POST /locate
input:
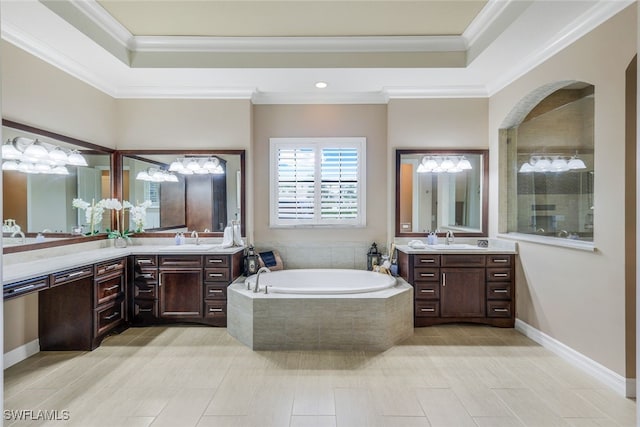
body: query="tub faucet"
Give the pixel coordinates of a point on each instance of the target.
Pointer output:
(21, 234)
(256, 289)
(194, 233)
(449, 238)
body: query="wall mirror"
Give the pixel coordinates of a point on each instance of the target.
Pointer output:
(38, 188)
(201, 190)
(441, 191)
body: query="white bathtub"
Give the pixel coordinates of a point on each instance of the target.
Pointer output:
(323, 281)
(321, 309)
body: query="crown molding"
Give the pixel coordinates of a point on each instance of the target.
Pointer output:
(484, 20)
(177, 92)
(45, 52)
(315, 98)
(102, 18)
(578, 28)
(299, 44)
(476, 91)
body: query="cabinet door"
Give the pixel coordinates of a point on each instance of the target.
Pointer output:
(180, 293)
(462, 293)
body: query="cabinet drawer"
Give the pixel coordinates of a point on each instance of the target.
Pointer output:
(426, 260)
(498, 260)
(214, 309)
(146, 260)
(462, 260)
(427, 290)
(499, 308)
(108, 289)
(216, 275)
(24, 287)
(216, 261)
(145, 290)
(499, 291)
(498, 274)
(144, 310)
(110, 267)
(215, 292)
(179, 261)
(71, 275)
(425, 273)
(427, 309)
(107, 318)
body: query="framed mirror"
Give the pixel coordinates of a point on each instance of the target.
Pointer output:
(39, 189)
(441, 190)
(201, 190)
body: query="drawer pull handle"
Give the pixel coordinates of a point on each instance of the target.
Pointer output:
(213, 310)
(145, 261)
(112, 266)
(145, 291)
(113, 316)
(215, 274)
(215, 291)
(215, 260)
(427, 291)
(500, 310)
(428, 309)
(444, 280)
(147, 276)
(22, 288)
(145, 310)
(500, 291)
(428, 261)
(427, 274)
(500, 275)
(500, 260)
(112, 287)
(77, 273)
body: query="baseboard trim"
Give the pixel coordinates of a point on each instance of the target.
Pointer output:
(21, 353)
(621, 385)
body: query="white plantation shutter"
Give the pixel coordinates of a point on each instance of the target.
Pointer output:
(317, 181)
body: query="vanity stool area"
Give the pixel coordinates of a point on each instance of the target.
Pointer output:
(474, 285)
(81, 302)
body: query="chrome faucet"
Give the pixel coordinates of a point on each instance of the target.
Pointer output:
(449, 238)
(256, 289)
(194, 233)
(21, 234)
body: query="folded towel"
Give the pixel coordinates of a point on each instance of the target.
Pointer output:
(227, 237)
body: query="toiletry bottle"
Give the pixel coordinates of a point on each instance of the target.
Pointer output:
(183, 239)
(177, 238)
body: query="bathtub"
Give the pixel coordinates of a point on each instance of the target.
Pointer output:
(322, 281)
(321, 309)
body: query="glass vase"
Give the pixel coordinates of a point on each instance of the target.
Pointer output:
(120, 242)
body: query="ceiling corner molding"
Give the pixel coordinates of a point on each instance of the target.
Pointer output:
(44, 52)
(298, 44)
(582, 25)
(102, 18)
(262, 98)
(477, 91)
(164, 92)
(484, 20)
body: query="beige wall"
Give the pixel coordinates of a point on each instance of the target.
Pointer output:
(433, 124)
(322, 247)
(578, 297)
(38, 94)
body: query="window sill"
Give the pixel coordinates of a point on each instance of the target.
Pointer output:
(321, 226)
(550, 241)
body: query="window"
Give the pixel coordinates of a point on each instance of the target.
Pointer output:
(152, 192)
(317, 181)
(551, 167)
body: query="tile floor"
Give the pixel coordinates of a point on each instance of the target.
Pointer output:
(181, 376)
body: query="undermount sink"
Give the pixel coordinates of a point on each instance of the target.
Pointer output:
(188, 247)
(453, 247)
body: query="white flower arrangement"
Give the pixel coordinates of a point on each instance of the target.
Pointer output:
(94, 213)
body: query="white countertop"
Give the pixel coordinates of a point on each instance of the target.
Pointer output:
(496, 246)
(41, 266)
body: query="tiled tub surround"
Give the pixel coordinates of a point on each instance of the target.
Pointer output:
(373, 321)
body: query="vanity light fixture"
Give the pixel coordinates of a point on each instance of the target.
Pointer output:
(33, 156)
(450, 164)
(197, 165)
(156, 175)
(552, 163)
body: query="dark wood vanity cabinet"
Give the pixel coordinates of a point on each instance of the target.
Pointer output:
(82, 306)
(183, 288)
(475, 288)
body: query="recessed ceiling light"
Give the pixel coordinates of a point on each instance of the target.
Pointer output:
(321, 85)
